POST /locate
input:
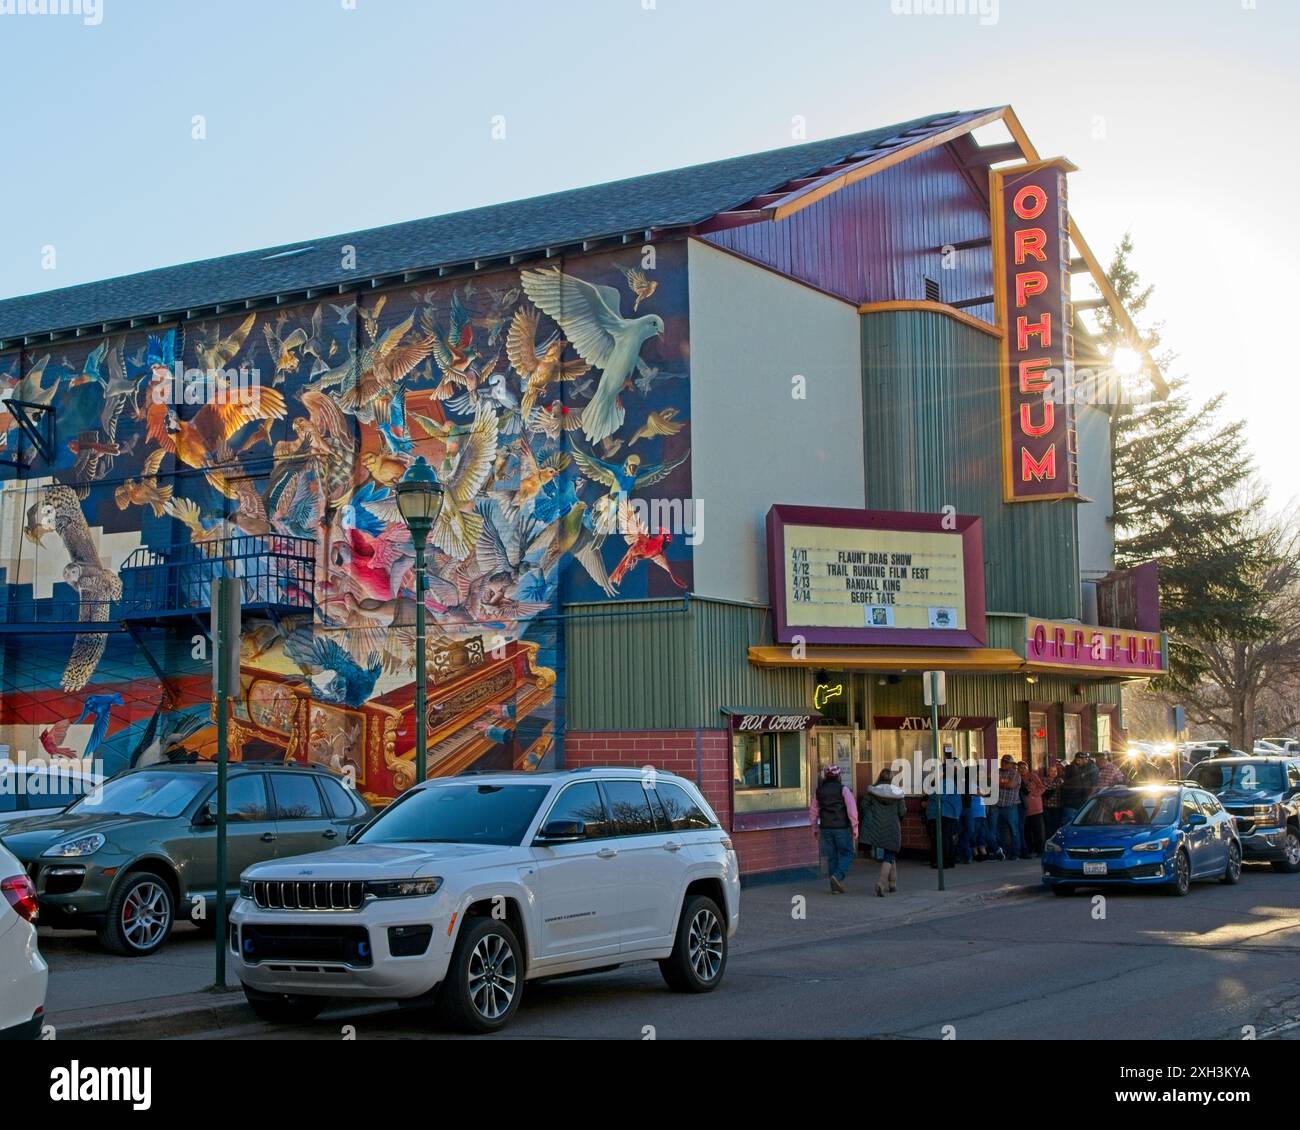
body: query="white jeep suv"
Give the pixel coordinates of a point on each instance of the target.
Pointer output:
(466, 887)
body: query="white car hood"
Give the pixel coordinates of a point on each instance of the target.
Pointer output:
(386, 861)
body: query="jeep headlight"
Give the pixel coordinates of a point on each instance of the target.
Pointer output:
(404, 888)
(82, 845)
(1152, 845)
(245, 888)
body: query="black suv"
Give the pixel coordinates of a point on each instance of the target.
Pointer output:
(1263, 793)
(140, 851)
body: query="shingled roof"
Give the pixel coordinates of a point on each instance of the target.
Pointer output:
(677, 199)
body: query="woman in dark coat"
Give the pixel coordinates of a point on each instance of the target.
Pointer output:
(880, 827)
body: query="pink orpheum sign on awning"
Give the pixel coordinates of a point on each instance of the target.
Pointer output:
(1086, 647)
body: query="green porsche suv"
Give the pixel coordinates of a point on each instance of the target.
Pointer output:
(140, 851)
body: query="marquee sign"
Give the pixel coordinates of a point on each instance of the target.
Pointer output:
(1086, 647)
(841, 576)
(1031, 282)
(1130, 598)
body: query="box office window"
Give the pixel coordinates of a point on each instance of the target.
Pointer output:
(768, 771)
(769, 761)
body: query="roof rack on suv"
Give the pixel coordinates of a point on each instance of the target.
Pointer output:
(626, 768)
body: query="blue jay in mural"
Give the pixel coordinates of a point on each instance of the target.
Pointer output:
(556, 499)
(358, 513)
(395, 433)
(335, 675)
(98, 707)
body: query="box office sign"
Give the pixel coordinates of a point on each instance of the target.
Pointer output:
(1031, 278)
(843, 576)
(755, 722)
(1090, 648)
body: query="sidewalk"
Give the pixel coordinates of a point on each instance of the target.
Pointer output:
(770, 918)
(93, 995)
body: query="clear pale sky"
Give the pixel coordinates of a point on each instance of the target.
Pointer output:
(326, 116)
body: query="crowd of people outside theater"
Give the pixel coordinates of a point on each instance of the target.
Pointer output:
(975, 823)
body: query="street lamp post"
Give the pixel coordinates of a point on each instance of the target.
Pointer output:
(419, 498)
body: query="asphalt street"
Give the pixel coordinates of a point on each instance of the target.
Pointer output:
(1219, 964)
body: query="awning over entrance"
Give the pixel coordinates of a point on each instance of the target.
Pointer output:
(986, 659)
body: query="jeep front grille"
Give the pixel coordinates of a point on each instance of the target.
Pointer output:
(317, 894)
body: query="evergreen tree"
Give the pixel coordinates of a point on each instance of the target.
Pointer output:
(1179, 478)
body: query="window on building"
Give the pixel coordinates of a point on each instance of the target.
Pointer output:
(768, 771)
(1073, 735)
(1103, 731)
(1038, 743)
(769, 761)
(932, 293)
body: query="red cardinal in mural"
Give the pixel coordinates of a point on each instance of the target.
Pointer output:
(53, 738)
(642, 545)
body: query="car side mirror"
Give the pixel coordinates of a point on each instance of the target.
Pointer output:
(562, 832)
(207, 815)
(1195, 820)
(356, 830)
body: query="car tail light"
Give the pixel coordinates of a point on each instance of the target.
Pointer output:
(21, 895)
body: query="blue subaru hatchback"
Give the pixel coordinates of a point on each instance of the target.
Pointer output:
(1144, 835)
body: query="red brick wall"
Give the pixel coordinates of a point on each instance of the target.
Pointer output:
(774, 849)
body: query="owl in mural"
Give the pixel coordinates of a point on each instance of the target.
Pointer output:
(58, 511)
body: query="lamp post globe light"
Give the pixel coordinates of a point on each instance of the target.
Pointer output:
(419, 498)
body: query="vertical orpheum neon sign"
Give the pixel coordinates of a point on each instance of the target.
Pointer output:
(1031, 277)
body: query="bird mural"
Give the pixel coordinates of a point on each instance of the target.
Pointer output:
(626, 477)
(203, 442)
(526, 391)
(590, 315)
(58, 511)
(335, 676)
(458, 524)
(537, 366)
(98, 708)
(642, 545)
(662, 423)
(639, 284)
(381, 368)
(146, 490)
(53, 737)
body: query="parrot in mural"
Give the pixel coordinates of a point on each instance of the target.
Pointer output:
(627, 477)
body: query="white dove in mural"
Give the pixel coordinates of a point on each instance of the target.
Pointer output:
(589, 315)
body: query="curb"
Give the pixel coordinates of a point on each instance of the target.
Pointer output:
(190, 1012)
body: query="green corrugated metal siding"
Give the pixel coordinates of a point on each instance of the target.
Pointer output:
(661, 668)
(988, 696)
(933, 439)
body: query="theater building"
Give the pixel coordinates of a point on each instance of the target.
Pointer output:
(731, 455)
